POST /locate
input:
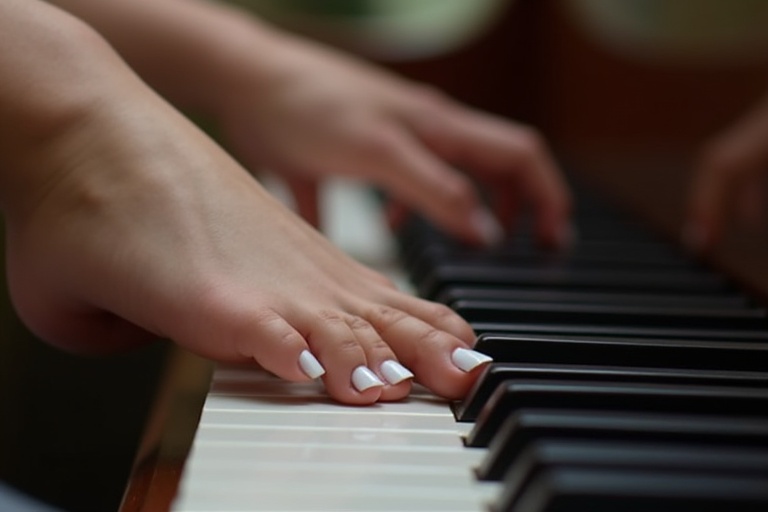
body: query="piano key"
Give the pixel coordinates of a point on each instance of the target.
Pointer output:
(529, 258)
(579, 489)
(242, 457)
(636, 352)
(290, 496)
(620, 331)
(549, 295)
(497, 276)
(426, 248)
(497, 373)
(611, 314)
(314, 420)
(254, 442)
(550, 454)
(370, 487)
(527, 427)
(418, 262)
(286, 435)
(619, 239)
(601, 396)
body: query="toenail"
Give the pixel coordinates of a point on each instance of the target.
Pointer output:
(363, 378)
(310, 365)
(467, 360)
(394, 372)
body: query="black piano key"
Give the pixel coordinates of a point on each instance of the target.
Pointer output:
(617, 240)
(638, 352)
(608, 396)
(604, 252)
(432, 283)
(526, 427)
(635, 248)
(594, 226)
(550, 454)
(721, 301)
(611, 314)
(621, 331)
(595, 229)
(498, 373)
(528, 258)
(572, 489)
(420, 260)
(621, 310)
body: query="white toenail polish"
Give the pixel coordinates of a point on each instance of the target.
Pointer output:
(363, 378)
(467, 360)
(310, 365)
(394, 372)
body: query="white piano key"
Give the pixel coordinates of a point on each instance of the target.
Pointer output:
(249, 382)
(251, 449)
(347, 437)
(322, 415)
(245, 455)
(252, 378)
(327, 486)
(366, 498)
(297, 487)
(273, 426)
(242, 472)
(258, 449)
(295, 500)
(263, 401)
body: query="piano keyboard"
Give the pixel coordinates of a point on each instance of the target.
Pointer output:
(626, 377)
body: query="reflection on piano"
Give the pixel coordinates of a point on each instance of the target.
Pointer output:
(627, 377)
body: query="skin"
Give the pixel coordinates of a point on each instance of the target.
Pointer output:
(126, 223)
(730, 179)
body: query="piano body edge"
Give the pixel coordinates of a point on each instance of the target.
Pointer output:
(169, 433)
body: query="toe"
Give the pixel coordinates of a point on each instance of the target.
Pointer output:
(426, 350)
(382, 360)
(349, 378)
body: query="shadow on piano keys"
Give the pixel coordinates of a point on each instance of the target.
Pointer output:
(627, 377)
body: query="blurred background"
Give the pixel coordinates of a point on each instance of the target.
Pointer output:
(625, 91)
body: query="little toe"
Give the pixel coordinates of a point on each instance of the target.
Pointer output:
(227, 333)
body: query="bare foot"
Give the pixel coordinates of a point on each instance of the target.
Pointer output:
(146, 228)
(126, 223)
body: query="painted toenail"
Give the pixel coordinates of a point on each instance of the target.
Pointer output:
(363, 378)
(467, 360)
(310, 365)
(394, 372)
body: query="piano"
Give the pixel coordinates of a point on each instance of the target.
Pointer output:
(627, 376)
